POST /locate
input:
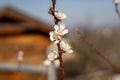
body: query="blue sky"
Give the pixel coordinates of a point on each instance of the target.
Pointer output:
(94, 12)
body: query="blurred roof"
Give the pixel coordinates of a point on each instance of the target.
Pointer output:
(13, 20)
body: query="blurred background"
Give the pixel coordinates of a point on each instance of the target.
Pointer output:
(25, 25)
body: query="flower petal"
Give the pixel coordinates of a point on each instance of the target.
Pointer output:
(65, 31)
(70, 51)
(52, 36)
(66, 47)
(52, 55)
(62, 44)
(56, 27)
(60, 15)
(56, 41)
(62, 26)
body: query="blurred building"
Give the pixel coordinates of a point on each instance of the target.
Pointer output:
(18, 31)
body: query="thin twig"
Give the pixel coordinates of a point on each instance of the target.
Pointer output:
(58, 45)
(61, 62)
(53, 3)
(94, 49)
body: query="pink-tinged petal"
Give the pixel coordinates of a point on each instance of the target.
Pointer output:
(66, 47)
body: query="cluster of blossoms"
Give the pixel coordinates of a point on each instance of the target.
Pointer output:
(56, 36)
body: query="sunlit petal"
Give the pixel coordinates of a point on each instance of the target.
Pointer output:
(62, 44)
(61, 29)
(60, 15)
(57, 41)
(62, 26)
(56, 27)
(65, 31)
(66, 47)
(52, 36)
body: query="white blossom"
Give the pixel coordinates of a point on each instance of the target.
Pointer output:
(46, 63)
(66, 47)
(52, 55)
(60, 15)
(61, 29)
(54, 37)
(20, 56)
(116, 1)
